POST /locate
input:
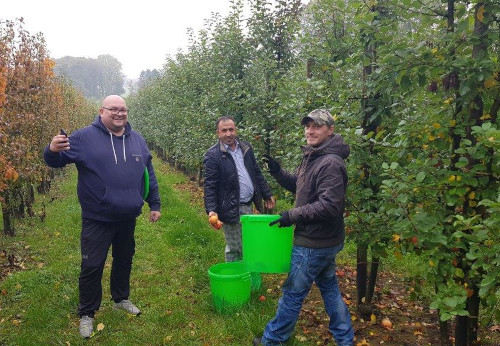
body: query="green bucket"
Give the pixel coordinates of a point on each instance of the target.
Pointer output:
(230, 283)
(266, 249)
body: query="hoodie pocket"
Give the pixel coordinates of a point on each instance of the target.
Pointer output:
(125, 201)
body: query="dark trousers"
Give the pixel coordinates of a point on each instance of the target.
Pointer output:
(96, 238)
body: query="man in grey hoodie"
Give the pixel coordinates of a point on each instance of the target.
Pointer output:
(112, 161)
(319, 187)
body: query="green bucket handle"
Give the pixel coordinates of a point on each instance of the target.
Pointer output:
(146, 183)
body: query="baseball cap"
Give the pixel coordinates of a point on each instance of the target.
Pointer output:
(319, 116)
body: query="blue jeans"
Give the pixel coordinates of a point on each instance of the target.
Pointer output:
(308, 266)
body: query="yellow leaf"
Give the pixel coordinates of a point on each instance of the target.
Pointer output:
(452, 178)
(480, 13)
(436, 125)
(434, 50)
(490, 83)
(472, 195)
(453, 123)
(395, 237)
(448, 101)
(100, 327)
(459, 178)
(373, 319)
(431, 263)
(485, 117)
(300, 338)
(40, 265)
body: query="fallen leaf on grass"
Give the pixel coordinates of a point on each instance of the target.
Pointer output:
(100, 327)
(300, 338)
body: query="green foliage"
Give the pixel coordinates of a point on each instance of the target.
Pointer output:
(415, 95)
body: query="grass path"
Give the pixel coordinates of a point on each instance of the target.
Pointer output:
(169, 280)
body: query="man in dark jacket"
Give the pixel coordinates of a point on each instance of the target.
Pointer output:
(233, 181)
(319, 186)
(111, 160)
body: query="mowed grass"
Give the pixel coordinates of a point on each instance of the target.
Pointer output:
(169, 282)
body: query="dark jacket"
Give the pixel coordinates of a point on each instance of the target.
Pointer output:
(319, 186)
(221, 185)
(110, 172)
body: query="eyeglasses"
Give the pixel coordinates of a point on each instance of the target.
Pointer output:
(115, 111)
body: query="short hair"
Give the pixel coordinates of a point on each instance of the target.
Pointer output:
(223, 118)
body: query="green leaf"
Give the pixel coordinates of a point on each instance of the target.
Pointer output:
(452, 302)
(420, 177)
(459, 273)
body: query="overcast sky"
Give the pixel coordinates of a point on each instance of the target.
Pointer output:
(140, 34)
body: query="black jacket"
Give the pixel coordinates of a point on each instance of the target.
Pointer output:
(319, 185)
(221, 184)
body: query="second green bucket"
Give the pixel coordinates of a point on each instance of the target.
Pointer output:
(266, 249)
(230, 283)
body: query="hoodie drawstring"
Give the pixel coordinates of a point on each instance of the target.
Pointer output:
(124, 157)
(113, 146)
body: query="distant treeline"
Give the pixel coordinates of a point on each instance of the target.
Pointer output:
(96, 78)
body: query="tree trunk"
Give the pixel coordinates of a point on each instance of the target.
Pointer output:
(473, 318)
(444, 333)
(361, 272)
(373, 279)
(8, 227)
(461, 330)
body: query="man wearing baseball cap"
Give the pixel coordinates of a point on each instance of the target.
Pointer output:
(319, 186)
